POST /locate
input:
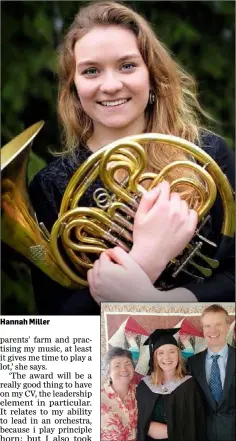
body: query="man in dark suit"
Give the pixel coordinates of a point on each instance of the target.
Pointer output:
(214, 371)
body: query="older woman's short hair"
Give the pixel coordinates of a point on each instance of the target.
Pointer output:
(112, 353)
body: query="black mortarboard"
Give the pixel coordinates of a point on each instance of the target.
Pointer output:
(158, 338)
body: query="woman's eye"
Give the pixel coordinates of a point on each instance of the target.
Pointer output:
(91, 71)
(128, 66)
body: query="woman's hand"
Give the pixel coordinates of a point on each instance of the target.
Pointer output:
(157, 430)
(121, 281)
(163, 226)
(116, 277)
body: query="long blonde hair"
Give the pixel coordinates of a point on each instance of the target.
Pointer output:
(157, 374)
(176, 108)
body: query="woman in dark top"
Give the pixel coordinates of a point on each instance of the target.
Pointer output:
(128, 84)
(169, 401)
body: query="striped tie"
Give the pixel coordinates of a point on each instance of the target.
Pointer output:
(215, 381)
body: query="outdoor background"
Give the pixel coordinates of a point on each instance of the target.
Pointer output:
(200, 34)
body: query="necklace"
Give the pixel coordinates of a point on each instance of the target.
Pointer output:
(164, 389)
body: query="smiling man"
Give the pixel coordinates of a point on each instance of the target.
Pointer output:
(214, 370)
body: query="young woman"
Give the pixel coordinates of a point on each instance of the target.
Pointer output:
(118, 401)
(117, 79)
(169, 402)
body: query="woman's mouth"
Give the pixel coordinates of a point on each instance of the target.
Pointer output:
(114, 103)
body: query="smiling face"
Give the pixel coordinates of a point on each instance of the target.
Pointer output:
(215, 330)
(121, 370)
(167, 358)
(111, 79)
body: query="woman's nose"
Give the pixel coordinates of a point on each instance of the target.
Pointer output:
(123, 370)
(111, 84)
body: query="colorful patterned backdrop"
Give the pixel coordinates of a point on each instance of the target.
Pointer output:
(128, 325)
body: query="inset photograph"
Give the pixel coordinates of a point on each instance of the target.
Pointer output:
(167, 371)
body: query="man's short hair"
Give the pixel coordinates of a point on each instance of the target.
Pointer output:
(216, 308)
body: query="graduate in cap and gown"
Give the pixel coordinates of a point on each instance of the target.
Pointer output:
(169, 401)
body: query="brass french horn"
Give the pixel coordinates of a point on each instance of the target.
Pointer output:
(19, 225)
(80, 234)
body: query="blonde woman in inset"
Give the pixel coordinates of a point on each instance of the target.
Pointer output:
(169, 401)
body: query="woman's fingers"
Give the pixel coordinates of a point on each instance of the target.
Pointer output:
(104, 261)
(193, 220)
(175, 197)
(90, 277)
(184, 208)
(175, 205)
(105, 257)
(91, 282)
(161, 203)
(148, 200)
(96, 269)
(120, 256)
(164, 191)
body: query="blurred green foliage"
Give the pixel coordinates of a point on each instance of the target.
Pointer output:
(200, 34)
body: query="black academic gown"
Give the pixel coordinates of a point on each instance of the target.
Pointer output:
(183, 408)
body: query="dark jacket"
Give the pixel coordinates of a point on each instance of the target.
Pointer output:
(220, 419)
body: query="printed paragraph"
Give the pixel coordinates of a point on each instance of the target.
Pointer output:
(50, 387)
